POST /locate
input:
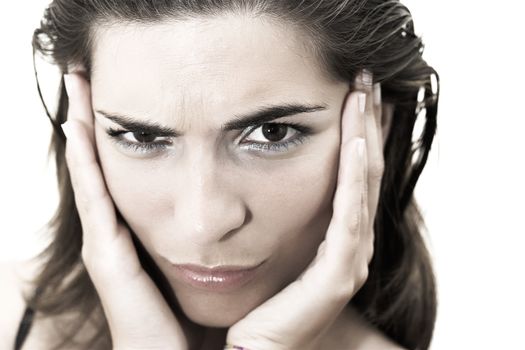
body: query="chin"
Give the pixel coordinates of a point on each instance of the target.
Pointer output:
(214, 316)
(215, 321)
(219, 310)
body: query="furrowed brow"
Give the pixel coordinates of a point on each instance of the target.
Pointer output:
(134, 125)
(268, 113)
(262, 115)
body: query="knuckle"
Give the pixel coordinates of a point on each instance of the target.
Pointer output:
(85, 254)
(87, 205)
(369, 256)
(369, 246)
(353, 222)
(346, 291)
(362, 275)
(95, 266)
(358, 279)
(364, 218)
(90, 203)
(355, 279)
(68, 156)
(84, 205)
(74, 183)
(377, 170)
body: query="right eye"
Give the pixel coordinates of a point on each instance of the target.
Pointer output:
(293, 134)
(139, 141)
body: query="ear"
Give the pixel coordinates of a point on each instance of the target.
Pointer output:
(387, 115)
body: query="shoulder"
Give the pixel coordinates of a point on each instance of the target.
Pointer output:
(351, 331)
(14, 278)
(45, 332)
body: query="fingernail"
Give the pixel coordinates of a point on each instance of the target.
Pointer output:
(367, 78)
(66, 128)
(359, 79)
(377, 94)
(361, 99)
(67, 83)
(433, 83)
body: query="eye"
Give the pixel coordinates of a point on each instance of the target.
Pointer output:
(269, 136)
(140, 137)
(139, 141)
(273, 132)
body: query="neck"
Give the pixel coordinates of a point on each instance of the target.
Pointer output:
(349, 329)
(214, 339)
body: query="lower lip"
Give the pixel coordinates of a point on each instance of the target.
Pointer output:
(216, 281)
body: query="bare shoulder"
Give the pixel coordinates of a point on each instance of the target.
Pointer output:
(14, 278)
(45, 332)
(351, 331)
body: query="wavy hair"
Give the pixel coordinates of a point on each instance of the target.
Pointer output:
(399, 296)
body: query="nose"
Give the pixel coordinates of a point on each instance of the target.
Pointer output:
(208, 208)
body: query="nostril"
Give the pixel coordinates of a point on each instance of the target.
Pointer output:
(212, 218)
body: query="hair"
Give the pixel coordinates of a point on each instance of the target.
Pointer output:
(399, 296)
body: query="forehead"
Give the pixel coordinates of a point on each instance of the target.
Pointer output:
(201, 66)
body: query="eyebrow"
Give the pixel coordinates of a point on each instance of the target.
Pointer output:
(239, 122)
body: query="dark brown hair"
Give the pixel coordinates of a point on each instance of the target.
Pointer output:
(399, 297)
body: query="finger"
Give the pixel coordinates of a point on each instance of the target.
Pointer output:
(387, 112)
(346, 200)
(328, 283)
(375, 152)
(364, 83)
(348, 218)
(93, 203)
(101, 234)
(330, 280)
(79, 97)
(127, 293)
(373, 115)
(378, 112)
(355, 104)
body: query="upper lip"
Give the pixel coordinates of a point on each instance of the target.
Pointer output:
(217, 269)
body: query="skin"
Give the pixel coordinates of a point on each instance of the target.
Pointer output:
(205, 199)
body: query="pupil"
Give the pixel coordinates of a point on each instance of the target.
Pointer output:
(144, 137)
(274, 132)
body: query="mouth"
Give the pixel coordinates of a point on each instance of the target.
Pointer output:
(223, 278)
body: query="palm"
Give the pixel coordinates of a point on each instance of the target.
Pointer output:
(279, 316)
(299, 315)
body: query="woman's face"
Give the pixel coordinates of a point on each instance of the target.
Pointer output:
(213, 195)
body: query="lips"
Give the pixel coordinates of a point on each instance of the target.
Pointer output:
(224, 278)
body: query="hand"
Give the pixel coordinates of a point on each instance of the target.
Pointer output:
(138, 316)
(298, 316)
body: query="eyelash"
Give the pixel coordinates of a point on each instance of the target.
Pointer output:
(145, 148)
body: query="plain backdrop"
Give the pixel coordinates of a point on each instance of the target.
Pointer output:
(471, 191)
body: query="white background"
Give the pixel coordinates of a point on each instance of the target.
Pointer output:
(471, 192)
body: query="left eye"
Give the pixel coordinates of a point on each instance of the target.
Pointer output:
(139, 141)
(273, 132)
(293, 134)
(141, 137)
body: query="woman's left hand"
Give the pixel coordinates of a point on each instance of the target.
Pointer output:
(298, 316)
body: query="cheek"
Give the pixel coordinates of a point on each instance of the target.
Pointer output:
(294, 210)
(132, 186)
(289, 198)
(297, 199)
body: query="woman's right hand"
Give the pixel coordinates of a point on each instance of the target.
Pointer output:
(137, 313)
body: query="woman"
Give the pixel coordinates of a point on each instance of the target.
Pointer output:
(237, 174)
